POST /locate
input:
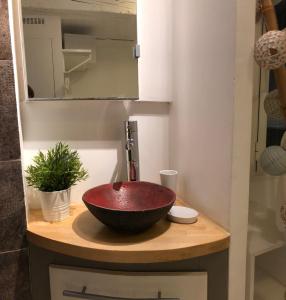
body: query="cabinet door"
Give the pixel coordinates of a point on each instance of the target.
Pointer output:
(154, 19)
(68, 283)
(40, 66)
(44, 59)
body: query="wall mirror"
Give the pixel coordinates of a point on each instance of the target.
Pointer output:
(80, 49)
(268, 118)
(276, 125)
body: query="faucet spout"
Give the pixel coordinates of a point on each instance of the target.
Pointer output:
(131, 147)
(132, 171)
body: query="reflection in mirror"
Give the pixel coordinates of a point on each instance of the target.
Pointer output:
(81, 49)
(276, 124)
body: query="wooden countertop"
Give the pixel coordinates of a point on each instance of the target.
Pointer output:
(83, 236)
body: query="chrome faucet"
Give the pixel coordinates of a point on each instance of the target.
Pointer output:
(131, 147)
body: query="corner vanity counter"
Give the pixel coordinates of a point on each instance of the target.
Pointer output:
(83, 236)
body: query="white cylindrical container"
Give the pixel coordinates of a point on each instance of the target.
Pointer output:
(33, 199)
(169, 179)
(55, 205)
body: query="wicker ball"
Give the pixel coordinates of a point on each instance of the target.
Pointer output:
(273, 161)
(283, 213)
(273, 108)
(270, 50)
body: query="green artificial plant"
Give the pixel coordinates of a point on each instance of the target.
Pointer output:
(57, 170)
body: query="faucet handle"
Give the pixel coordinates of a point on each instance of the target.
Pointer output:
(129, 143)
(130, 128)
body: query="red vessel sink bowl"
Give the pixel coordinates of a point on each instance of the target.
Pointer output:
(129, 206)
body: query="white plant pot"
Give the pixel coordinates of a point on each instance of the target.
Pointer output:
(55, 205)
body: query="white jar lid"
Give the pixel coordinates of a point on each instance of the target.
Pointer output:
(182, 214)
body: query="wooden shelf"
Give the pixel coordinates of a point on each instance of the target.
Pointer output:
(83, 236)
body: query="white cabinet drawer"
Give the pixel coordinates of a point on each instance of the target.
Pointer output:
(68, 283)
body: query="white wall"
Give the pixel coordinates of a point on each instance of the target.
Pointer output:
(155, 31)
(121, 6)
(202, 111)
(241, 153)
(211, 117)
(96, 130)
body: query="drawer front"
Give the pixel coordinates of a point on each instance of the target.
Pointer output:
(69, 283)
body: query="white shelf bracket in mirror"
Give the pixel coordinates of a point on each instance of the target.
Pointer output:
(75, 60)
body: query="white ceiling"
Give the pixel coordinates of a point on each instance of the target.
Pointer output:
(101, 23)
(112, 6)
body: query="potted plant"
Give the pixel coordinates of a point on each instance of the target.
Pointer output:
(52, 175)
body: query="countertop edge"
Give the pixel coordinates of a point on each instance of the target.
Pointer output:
(128, 257)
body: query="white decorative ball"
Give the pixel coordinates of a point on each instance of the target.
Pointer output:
(270, 50)
(283, 141)
(273, 108)
(273, 160)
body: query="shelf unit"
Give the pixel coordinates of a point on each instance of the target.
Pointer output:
(259, 244)
(267, 287)
(263, 237)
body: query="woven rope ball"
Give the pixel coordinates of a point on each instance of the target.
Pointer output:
(273, 161)
(283, 213)
(270, 50)
(273, 108)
